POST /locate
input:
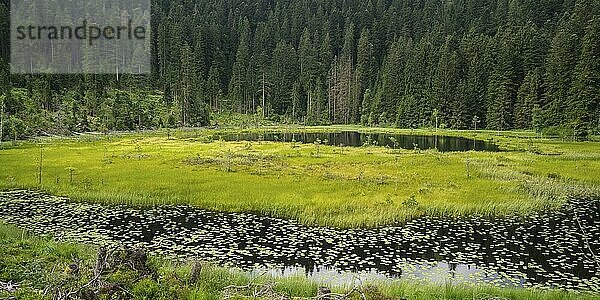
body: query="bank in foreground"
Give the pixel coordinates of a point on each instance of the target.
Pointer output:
(33, 267)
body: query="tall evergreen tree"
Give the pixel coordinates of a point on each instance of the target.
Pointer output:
(239, 86)
(584, 100)
(508, 63)
(528, 97)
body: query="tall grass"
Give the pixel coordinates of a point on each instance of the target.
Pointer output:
(350, 187)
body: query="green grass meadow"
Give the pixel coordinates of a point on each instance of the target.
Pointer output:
(315, 184)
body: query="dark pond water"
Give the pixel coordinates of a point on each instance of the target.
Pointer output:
(357, 139)
(543, 250)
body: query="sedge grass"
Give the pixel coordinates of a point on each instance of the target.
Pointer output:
(316, 185)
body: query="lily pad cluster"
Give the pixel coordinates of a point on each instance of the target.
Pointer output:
(544, 250)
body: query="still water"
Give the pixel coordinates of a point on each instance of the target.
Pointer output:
(542, 250)
(358, 139)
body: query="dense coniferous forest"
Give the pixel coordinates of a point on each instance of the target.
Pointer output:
(461, 64)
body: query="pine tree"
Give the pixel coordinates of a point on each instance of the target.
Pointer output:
(283, 74)
(214, 90)
(585, 92)
(309, 74)
(498, 114)
(528, 97)
(364, 64)
(188, 84)
(445, 81)
(297, 109)
(502, 87)
(239, 93)
(4, 33)
(510, 63)
(561, 63)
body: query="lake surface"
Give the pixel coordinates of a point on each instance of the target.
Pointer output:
(543, 250)
(358, 139)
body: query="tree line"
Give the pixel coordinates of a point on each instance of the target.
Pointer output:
(461, 64)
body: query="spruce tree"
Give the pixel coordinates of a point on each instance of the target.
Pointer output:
(584, 95)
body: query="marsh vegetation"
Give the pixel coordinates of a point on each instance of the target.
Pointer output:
(34, 267)
(519, 207)
(522, 215)
(544, 250)
(313, 183)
